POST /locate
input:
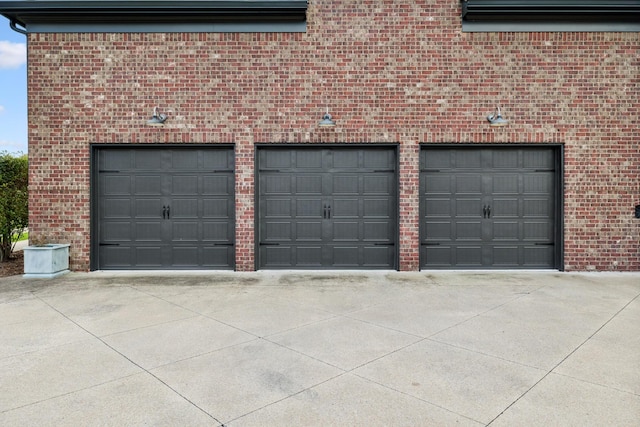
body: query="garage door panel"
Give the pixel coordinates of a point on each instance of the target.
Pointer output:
(116, 160)
(276, 159)
(307, 257)
(307, 231)
(184, 185)
(468, 207)
(437, 256)
(356, 198)
(120, 256)
(377, 256)
(437, 230)
(307, 208)
(217, 208)
(377, 208)
(345, 208)
(145, 231)
(278, 231)
(506, 256)
(185, 231)
(468, 230)
(436, 159)
(378, 184)
(146, 159)
(147, 208)
(345, 256)
(379, 159)
(185, 160)
(436, 207)
(182, 208)
(468, 184)
(185, 256)
(437, 184)
(160, 217)
(276, 256)
(468, 256)
(344, 231)
(277, 184)
(541, 208)
(148, 257)
(117, 208)
(114, 185)
(504, 159)
(217, 184)
(505, 207)
(308, 159)
(505, 184)
(468, 159)
(216, 231)
(492, 196)
(281, 208)
(506, 230)
(116, 231)
(345, 184)
(148, 185)
(541, 182)
(217, 256)
(218, 160)
(344, 159)
(534, 158)
(308, 184)
(538, 256)
(377, 231)
(539, 231)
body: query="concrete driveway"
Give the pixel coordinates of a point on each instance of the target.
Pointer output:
(321, 348)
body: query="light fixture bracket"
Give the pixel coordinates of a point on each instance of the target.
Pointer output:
(496, 119)
(157, 119)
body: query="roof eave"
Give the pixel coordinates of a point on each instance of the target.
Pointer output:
(66, 14)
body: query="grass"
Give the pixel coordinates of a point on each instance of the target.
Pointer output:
(23, 236)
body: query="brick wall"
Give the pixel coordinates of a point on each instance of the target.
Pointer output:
(390, 72)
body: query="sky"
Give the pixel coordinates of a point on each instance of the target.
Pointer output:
(13, 90)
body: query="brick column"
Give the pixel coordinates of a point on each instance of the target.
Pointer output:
(245, 205)
(409, 215)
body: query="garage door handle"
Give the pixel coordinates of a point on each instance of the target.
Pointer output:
(384, 244)
(486, 211)
(223, 244)
(269, 244)
(327, 212)
(166, 212)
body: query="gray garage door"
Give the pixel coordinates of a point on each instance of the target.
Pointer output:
(164, 208)
(327, 208)
(489, 207)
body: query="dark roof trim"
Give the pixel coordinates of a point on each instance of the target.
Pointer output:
(550, 15)
(37, 16)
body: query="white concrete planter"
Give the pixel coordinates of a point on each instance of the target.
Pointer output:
(46, 261)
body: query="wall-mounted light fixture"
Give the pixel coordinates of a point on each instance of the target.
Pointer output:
(496, 119)
(157, 119)
(326, 120)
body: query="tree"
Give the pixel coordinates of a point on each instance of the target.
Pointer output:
(14, 212)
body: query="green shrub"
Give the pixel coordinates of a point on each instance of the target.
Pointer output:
(14, 211)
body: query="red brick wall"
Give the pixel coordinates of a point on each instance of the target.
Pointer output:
(390, 72)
